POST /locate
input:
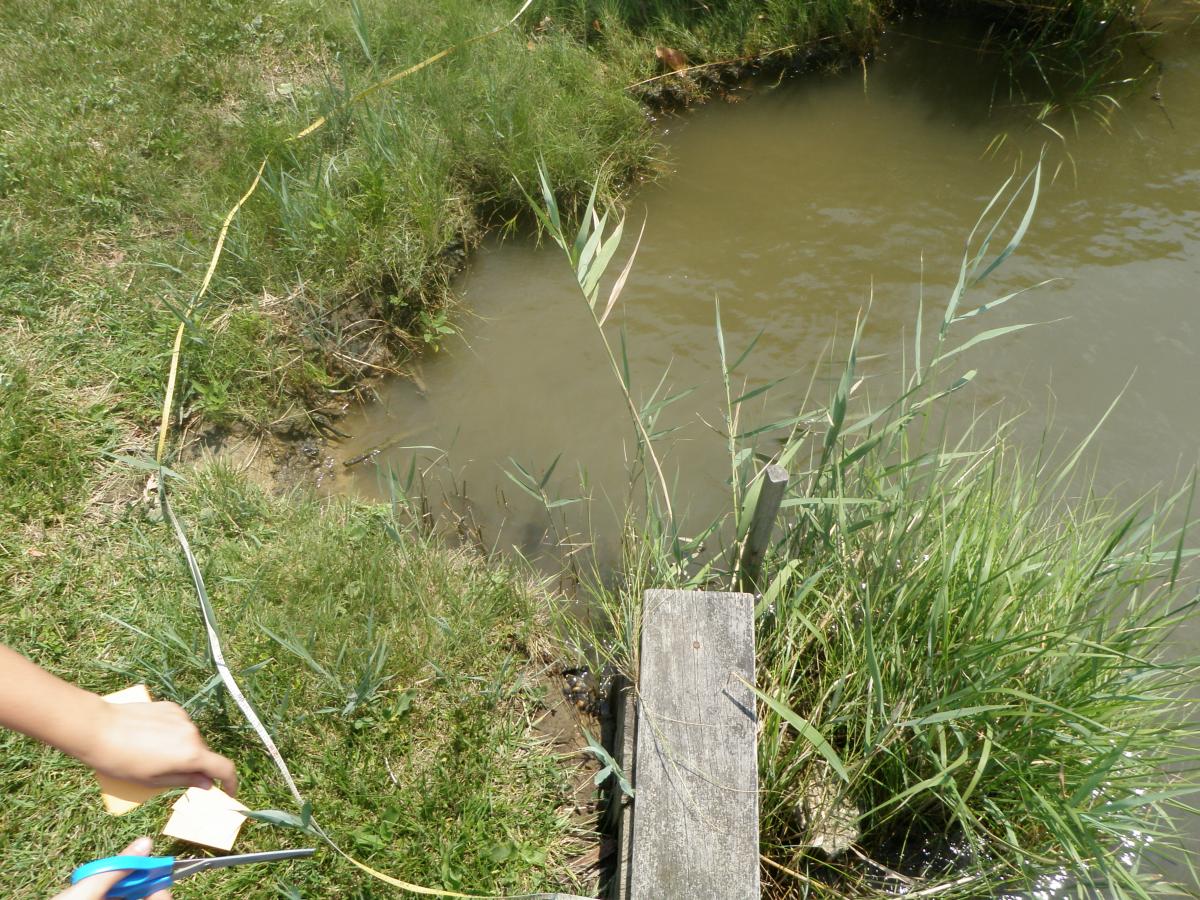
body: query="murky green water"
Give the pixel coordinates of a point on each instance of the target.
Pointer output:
(793, 207)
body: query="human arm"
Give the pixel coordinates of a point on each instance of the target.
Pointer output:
(154, 744)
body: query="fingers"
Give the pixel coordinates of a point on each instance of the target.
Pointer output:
(174, 708)
(96, 887)
(214, 765)
(210, 766)
(158, 745)
(188, 780)
(178, 779)
(197, 780)
(140, 847)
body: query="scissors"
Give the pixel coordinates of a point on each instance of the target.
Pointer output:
(154, 873)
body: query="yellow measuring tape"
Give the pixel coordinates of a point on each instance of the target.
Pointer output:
(316, 125)
(210, 622)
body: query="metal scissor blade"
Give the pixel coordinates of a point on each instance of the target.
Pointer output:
(185, 867)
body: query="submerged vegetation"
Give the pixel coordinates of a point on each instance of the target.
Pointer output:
(399, 676)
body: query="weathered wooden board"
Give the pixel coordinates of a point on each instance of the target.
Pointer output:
(695, 816)
(625, 742)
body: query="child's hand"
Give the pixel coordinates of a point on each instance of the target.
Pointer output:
(97, 886)
(155, 744)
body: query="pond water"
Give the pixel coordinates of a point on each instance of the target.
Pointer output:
(793, 207)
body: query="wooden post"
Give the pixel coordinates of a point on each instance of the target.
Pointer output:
(758, 538)
(695, 812)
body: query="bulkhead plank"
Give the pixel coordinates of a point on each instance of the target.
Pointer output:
(695, 814)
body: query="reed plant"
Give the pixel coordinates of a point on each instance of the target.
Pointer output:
(966, 676)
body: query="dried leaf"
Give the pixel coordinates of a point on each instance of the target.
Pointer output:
(671, 58)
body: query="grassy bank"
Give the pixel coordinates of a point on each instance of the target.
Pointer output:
(399, 679)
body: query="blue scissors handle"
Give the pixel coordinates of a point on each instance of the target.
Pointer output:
(147, 874)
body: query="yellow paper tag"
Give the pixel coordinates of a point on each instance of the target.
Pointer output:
(121, 796)
(210, 818)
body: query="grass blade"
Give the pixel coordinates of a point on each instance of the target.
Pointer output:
(805, 730)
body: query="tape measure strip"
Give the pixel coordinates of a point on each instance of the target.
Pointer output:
(210, 621)
(212, 632)
(217, 652)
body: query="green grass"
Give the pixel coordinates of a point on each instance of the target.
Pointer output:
(46, 447)
(398, 678)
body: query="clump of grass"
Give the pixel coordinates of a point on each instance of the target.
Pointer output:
(47, 445)
(964, 666)
(989, 662)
